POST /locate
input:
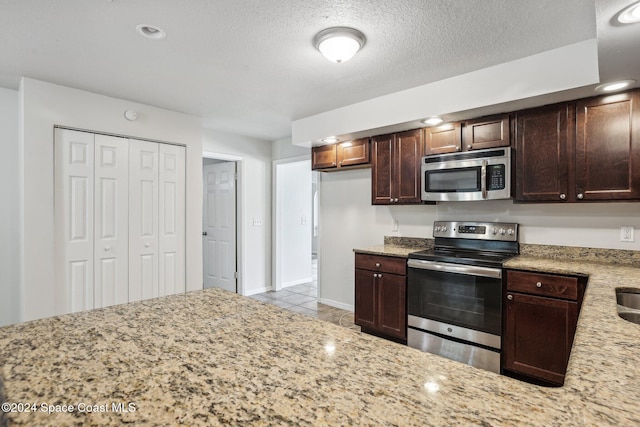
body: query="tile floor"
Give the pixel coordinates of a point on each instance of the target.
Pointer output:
(304, 299)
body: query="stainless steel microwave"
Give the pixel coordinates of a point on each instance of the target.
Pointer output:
(473, 175)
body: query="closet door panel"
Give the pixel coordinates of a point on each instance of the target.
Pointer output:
(111, 229)
(143, 220)
(74, 215)
(171, 219)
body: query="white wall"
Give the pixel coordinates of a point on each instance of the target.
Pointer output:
(348, 220)
(284, 149)
(9, 209)
(44, 105)
(294, 223)
(255, 241)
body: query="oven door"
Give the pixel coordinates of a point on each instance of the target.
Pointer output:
(463, 302)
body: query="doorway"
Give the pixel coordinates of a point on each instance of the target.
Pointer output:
(219, 224)
(293, 222)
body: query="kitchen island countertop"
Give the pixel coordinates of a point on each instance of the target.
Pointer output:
(211, 357)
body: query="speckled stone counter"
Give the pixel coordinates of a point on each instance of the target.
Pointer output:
(215, 358)
(399, 247)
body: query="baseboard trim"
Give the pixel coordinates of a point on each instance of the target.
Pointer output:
(256, 291)
(336, 304)
(297, 282)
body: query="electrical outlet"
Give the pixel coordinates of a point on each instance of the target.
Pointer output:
(257, 222)
(626, 233)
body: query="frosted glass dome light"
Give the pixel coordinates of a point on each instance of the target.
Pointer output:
(339, 44)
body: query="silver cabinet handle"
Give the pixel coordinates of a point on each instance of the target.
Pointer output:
(509, 297)
(580, 196)
(457, 148)
(375, 275)
(563, 196)
(538, 285)
(379, 275)
(396, 200)
(469, 147)
(378, 264)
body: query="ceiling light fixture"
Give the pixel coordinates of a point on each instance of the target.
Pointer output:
(614, 86)
(330, 139)
(339, 44)
(432, 121)
(151, 32)
(630, 14)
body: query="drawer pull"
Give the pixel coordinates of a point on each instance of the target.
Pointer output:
(509, 297)
(377, 265)
(538, 285)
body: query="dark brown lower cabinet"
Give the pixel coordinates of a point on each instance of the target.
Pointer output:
(541, 313)
(380, 298)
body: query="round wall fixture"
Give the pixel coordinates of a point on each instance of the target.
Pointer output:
(130, 115)
(339, 44)
(630, 14)
(151, 31)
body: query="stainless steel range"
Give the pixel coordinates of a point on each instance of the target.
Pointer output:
(454, 291)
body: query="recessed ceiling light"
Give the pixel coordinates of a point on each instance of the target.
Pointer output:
(339, 44)
(432, 121)
(614, 86)
(151, 32)
(630, 14)
(330, 139)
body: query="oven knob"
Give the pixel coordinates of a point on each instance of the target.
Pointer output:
(510, 232)
(437, 228)
(494, 231)
(444, 228)
(502, 231)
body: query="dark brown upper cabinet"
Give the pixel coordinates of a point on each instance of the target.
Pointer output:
(395, 168)
(477, 134)
(443, 139)
(542, 139)
(341, 155)
(583, 151)
(608, 147)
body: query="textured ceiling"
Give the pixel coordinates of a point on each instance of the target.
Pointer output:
(248, 66)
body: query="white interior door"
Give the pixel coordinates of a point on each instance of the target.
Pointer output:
(74, 193)
(143, 220)
(219, 222)
(111, 231)
(171, 219)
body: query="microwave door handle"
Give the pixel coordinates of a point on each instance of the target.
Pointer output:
(483, 179)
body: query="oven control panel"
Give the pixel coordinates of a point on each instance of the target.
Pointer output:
(504, 231)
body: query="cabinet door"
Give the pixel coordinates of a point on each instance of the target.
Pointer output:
(323, 157)
(366, 299)
(443, 139)
(382, 149)
(608, 148)
(392, 310)
(488, 132)
(351, 153)
(543, 136)
(538, 336)
(406, 180)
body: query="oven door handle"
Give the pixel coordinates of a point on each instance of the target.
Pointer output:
(472, 270)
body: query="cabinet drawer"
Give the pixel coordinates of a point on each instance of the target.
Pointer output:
(550, 285)
(381, 263)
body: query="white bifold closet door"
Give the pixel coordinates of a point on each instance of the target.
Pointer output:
(119, 218)
(156, 220)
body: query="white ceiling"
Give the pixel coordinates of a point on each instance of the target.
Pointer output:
(248, 66)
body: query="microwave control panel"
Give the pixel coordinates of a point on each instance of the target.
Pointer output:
(496, 177)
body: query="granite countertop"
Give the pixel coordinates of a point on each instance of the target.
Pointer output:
(212, 357)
